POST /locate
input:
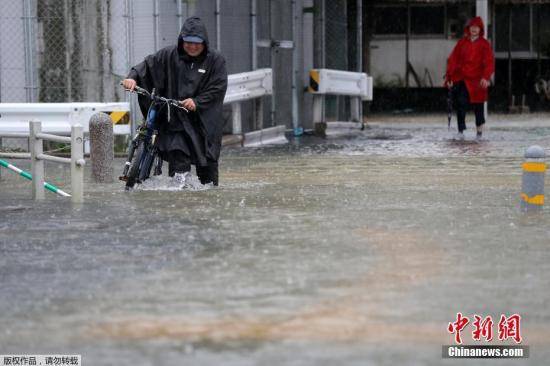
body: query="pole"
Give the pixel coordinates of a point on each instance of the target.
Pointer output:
(191, 7)
(68, 39)
(509, 53)
(37, 165)
(407, 36)
(156, 31)
(218, 26)
(0, 151)
(257, 103)
(356, 102)
(29, 35)
(179, 14)
(539, 65)
(26, 175)
(296, 12)
(129, 14)
(319, 61)
(482, 10)
(273, 52)
(77, 163)
(236, 117)
(254, 36)
(359, 51)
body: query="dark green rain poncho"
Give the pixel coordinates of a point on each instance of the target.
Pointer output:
(174, 74)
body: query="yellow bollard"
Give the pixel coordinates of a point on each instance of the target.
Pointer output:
(532, 186)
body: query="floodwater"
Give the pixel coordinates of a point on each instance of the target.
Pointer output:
(352, 251)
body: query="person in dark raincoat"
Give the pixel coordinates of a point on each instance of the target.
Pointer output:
(196, 75)
(469, 70)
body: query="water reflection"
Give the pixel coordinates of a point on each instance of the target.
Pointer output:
(352, 250)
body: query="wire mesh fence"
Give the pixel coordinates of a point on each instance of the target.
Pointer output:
(13, 27)
(78, 50)
(340, 50)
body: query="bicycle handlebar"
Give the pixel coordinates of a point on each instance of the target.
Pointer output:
(157, 98)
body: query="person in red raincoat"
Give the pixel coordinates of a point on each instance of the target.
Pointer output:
(470, 67)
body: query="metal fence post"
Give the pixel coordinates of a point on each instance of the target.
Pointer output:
(297, 49)
(77, 164)
(30, 50)
(37, 165)
(134, 108)
(356, 109)
(0, 151)
(217, 14)
(236, 117)
(318, 108)
(359, 51)
(259, 113)
(156, 30)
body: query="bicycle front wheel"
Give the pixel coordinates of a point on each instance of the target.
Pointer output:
(133, 172)
(146, 165)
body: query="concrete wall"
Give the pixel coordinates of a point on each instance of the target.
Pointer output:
(387, 62)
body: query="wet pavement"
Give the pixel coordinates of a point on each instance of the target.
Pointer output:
(356, 250)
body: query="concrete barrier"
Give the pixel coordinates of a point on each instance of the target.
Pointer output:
(102, 148)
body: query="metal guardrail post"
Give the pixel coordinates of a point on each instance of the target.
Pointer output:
(259, 113)
(37, 156)
(355, 109)
(37, 165)
(77, 164)
(318, 108)
(236, 118)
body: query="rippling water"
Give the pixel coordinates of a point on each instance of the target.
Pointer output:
(354, 250)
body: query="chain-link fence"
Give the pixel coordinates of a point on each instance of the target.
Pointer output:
(340, 50)
(79, 50)
(62, 50)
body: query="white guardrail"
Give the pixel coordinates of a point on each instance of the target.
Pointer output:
(337, 82)
(247, 86)
(57, 118)
(253, 85)
(36, 135)
(358, 85)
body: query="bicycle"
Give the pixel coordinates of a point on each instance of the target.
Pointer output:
(143, 153)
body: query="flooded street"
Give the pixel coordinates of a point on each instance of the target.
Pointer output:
(353, 251)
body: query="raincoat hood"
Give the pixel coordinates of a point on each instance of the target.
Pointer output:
(192, 27)
(477, 21)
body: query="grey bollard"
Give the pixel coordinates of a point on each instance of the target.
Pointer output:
(532, 185)
(102, 148)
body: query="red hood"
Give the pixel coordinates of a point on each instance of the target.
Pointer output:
(474, 21)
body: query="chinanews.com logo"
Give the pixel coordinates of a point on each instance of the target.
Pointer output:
(508, 328)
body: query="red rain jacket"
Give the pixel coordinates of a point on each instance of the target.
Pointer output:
(472, 61)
